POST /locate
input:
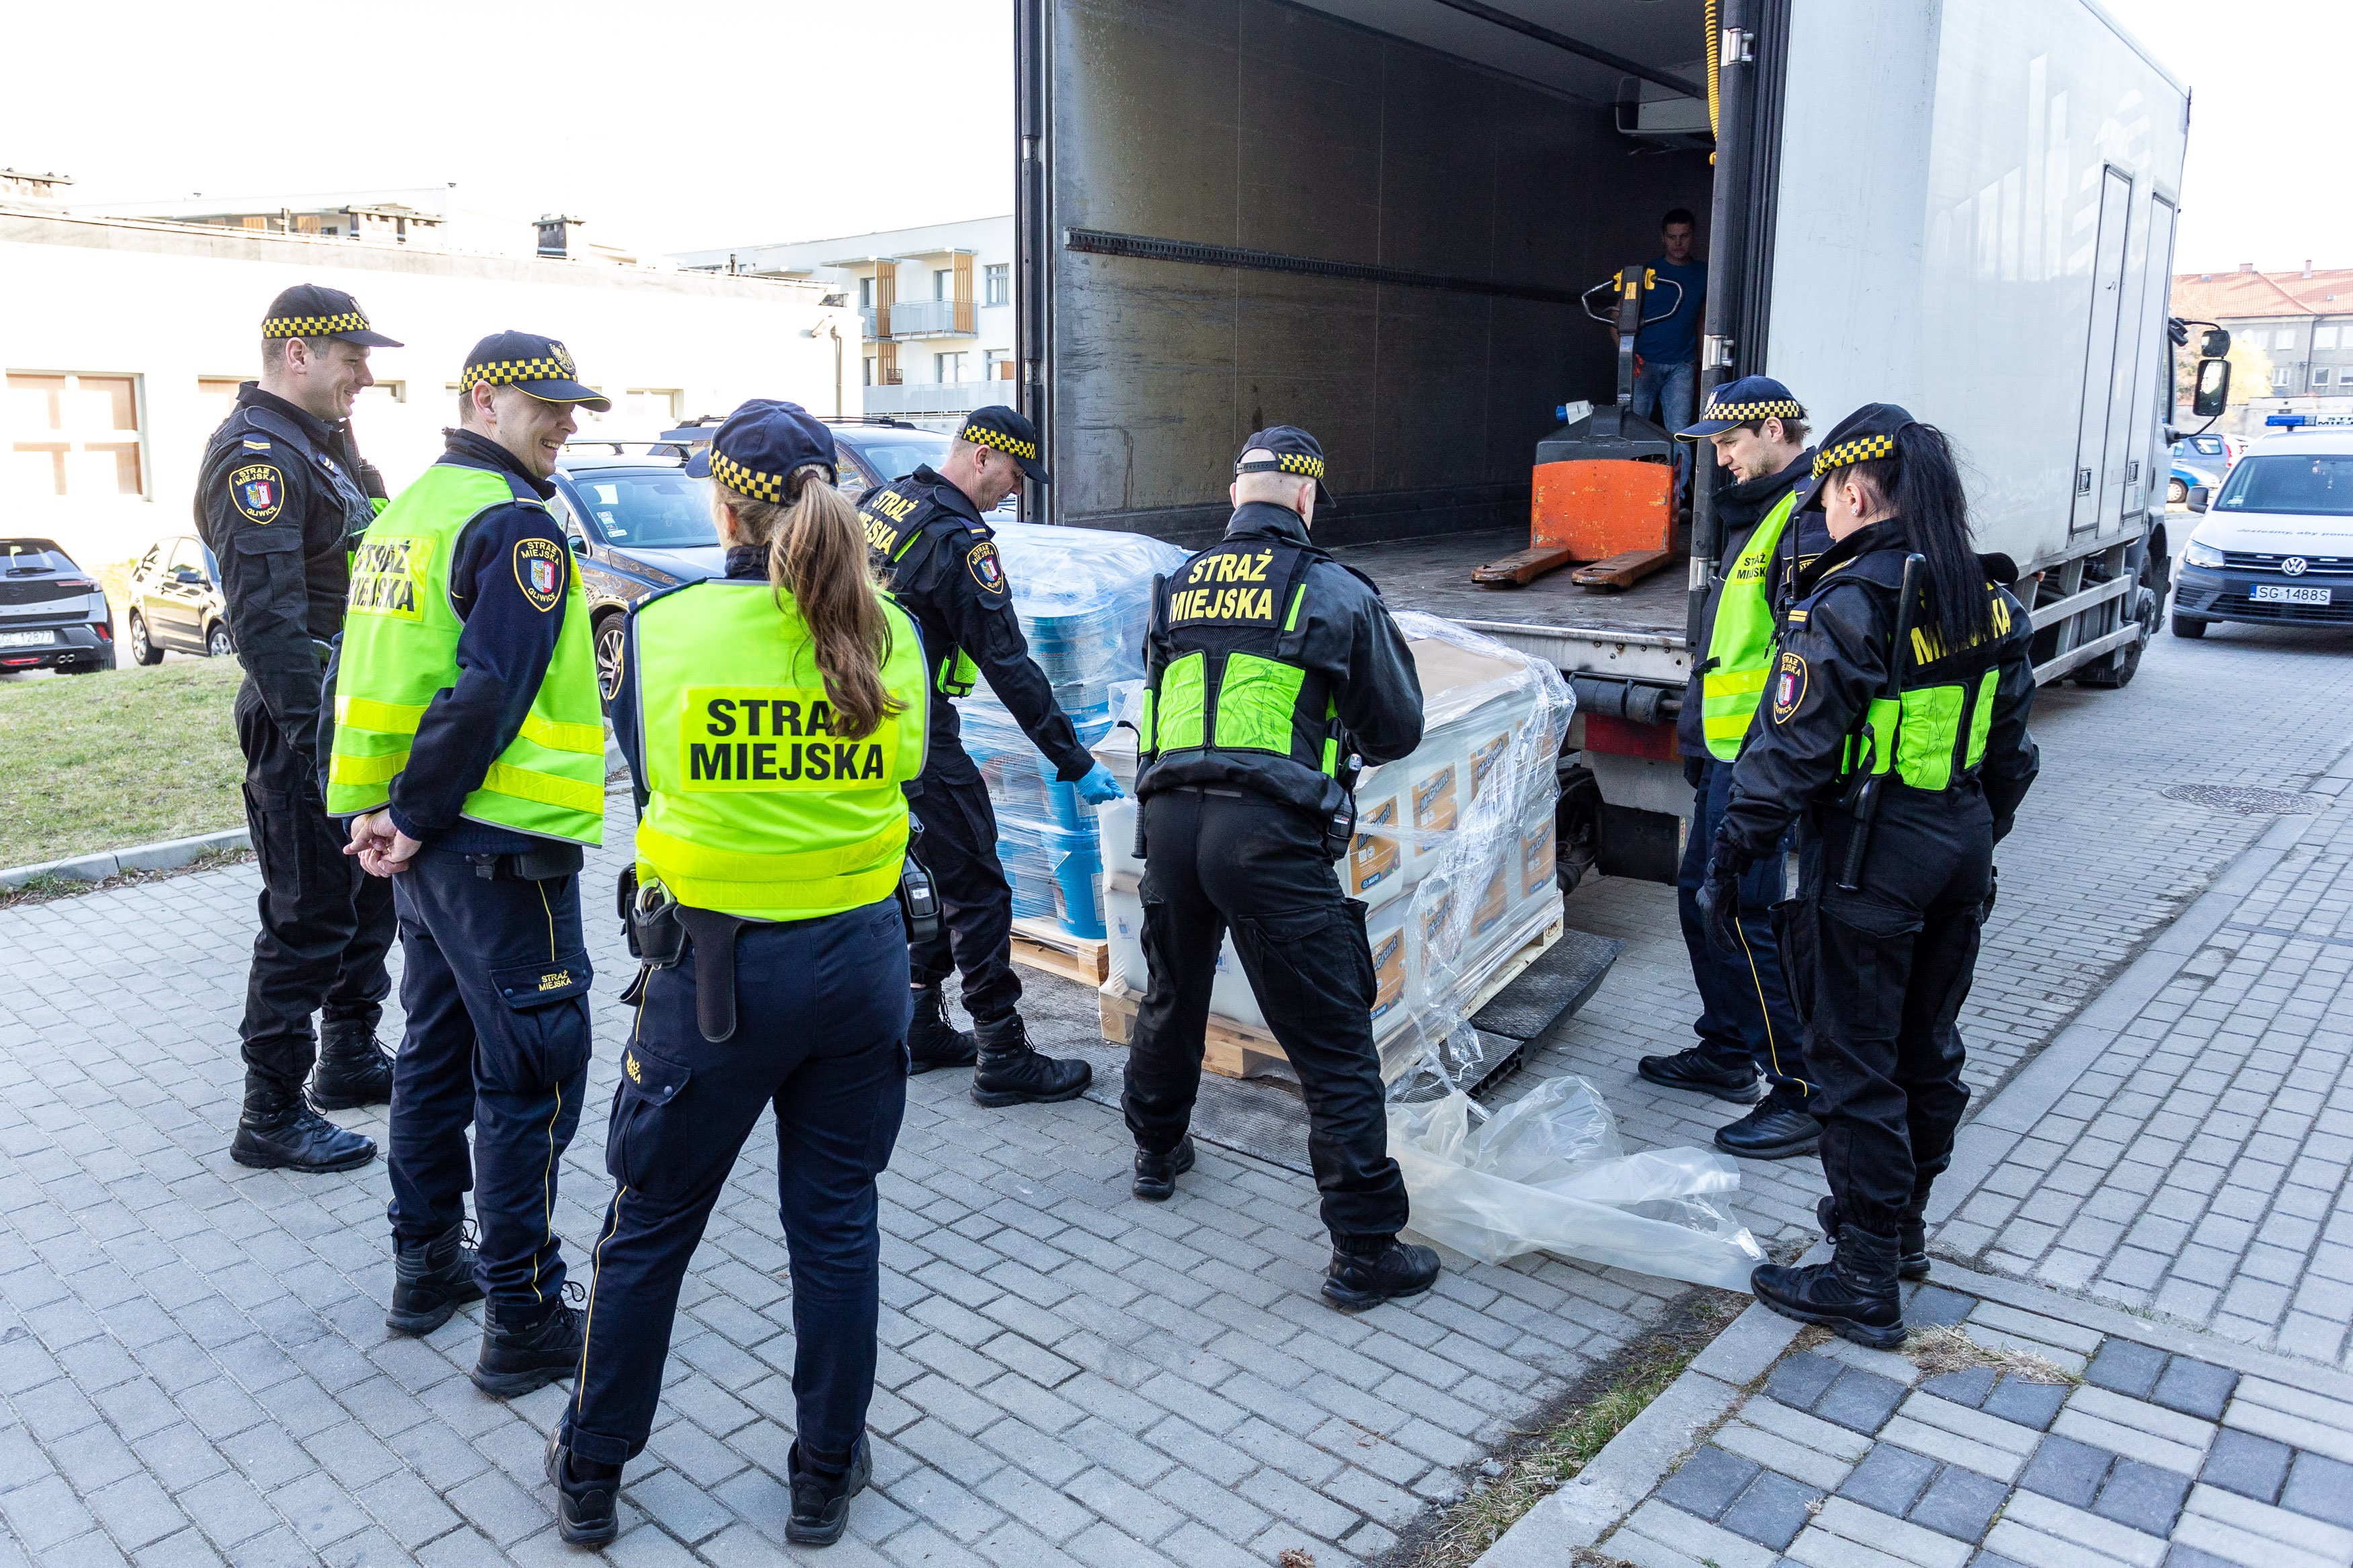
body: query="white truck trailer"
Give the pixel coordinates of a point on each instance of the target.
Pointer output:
(1374, 218)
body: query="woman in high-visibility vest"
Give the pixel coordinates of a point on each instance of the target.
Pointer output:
(771, 717)
(1894, 734)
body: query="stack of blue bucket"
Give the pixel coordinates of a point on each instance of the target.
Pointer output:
(1084, 597)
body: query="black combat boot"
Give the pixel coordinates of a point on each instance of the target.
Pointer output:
(353, 1070)
(821, 1498)
(1155, 1175)
(1911, 1239)
(1854, 1295)
(517, 1358)
(430, 1281)
(1693, 1069)
(1368, 1270)
(1781, 1128)
(1010, 1071)
(584, 1494)
(278, 1131)
(932, 1040)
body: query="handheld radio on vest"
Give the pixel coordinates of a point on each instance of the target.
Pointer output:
(1864, 800)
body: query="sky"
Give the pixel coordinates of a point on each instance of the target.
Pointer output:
(779, 119)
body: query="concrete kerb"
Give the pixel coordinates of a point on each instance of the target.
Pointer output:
(170, 854)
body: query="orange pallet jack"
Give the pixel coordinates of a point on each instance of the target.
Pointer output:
(1604, 485)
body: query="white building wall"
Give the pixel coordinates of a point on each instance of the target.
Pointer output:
(914, 254)
(174, 306)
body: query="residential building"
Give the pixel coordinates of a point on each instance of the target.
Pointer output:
(2294, 329)
(127, 338)
(936, 304)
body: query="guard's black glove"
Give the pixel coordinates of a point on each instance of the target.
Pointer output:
(1719, 900)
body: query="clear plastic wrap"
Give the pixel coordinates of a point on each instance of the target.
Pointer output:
(1548, 1174)
(1084, 598)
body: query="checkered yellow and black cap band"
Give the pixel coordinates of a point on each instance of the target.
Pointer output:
(512, 373)
(1741, 413)
(313, 326)
(1861, 449)
(746, 481)
(1012, 445)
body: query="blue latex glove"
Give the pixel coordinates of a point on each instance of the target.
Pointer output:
(1099, 787)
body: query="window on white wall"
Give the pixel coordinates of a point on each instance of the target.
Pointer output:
(654, 409)
(74, 436)
(943, 283)
(218, 396)
(870, 369)
(951, 367)
(2324, 337)
(998, 274)
(2284, 338)
(866, 293)
(2320, 376)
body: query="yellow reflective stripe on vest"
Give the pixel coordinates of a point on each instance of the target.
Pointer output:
(557, 736)
(546, 789)
(344, 768)
(389, 717)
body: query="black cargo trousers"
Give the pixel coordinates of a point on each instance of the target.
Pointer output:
(326, 925)
(1879, 975)
(1220, 861)
(958, 847)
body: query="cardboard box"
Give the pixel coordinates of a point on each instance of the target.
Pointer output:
(1376, 859)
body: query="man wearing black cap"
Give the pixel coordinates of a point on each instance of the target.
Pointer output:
(1272, 674)
(468, 752)
(937, 553)
(281, 500)
(1747, 1027)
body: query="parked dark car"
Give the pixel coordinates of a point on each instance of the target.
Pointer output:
(176, 602)
(53, 614)
(638, 524)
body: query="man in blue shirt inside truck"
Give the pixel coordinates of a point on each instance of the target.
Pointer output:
(1666, 350)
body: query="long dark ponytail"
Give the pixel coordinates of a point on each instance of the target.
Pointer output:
(1921, 485)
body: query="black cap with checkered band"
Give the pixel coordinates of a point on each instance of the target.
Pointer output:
(308, 310)
(1292, 451)
(1010, 433)
(529, 363)
(758, 446)
(1736, 403)
(1867, 435)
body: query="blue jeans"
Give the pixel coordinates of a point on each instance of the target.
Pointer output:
(494, 978)
(821, 1010)
(1664, 392)
(1745, 1012)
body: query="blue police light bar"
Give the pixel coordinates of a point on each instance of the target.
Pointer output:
(2286, 421)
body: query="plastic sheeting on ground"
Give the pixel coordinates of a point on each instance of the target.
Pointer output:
(1547, 1174)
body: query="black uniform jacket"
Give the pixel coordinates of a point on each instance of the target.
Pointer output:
(1840, 634)
(1348, 637)
(940, 562)
(280, 500)
(504, 653)
(1739, 508)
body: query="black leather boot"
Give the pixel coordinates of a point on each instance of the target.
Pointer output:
(1911, 1239)
(821, 1499)
(1011, 1072)
(1155, 1175)
(278, 1131)
(584, 1495)
(517, 1359)
(1693, 1069)
(1854, 1295)
(1370, 1269)
(430, 1281)
(353, 1069)
(1781, 1128)
(932, 1040)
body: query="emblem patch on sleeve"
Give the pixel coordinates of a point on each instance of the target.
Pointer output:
(258, 490)
(539, 567)
(1788, 686)
(987, 570)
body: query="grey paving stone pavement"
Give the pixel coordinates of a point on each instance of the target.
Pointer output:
(195, 1368)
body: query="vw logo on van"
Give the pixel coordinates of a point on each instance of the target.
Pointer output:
(2292, 565)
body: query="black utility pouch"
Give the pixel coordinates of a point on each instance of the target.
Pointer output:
(919, 901)
(546, 862)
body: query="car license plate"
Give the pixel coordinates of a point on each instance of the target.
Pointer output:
(27, 639)
(2279, 594)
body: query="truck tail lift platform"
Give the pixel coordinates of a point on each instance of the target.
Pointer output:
(1605, 485)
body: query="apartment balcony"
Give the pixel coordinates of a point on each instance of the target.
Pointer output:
(931, 319)
(866, 319)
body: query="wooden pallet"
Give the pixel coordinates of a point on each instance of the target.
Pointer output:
(1044, 944)
(1246, 1050)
